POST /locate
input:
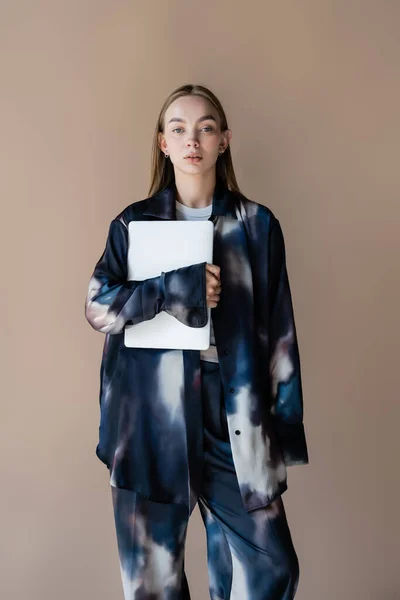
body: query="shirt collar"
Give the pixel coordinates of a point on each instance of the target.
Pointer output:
(162, 205)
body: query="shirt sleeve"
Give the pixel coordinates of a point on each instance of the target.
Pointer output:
(286, 407)
(112, 301)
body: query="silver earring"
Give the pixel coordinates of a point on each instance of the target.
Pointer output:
(220, 152)
(166, 155)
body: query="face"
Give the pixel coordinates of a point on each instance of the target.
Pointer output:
(192, 126)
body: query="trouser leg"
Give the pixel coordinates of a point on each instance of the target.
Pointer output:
(151, 543)
(250, 554)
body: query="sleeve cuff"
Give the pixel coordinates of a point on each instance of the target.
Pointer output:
(185, 295)
(292, 441)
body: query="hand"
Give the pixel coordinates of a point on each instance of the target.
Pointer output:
(213, 285)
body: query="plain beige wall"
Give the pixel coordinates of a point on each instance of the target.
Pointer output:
(312, 92)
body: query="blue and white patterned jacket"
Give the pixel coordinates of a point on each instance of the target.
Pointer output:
(150, 434)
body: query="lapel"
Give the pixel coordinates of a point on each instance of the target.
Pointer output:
(162, 205)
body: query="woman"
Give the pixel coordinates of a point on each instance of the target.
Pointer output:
(217, 427)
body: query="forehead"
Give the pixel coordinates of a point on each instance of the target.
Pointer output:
(190, 108)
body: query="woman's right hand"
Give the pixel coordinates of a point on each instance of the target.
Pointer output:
(213, 285)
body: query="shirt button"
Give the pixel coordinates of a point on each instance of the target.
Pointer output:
(226, 351)
(231, 389)
(237, 432)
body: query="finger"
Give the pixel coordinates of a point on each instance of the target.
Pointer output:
(218, 288)
(211, 291)
(212, 304)
(214, 269)
(212, 279)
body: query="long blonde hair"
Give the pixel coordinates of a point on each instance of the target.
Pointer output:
(162, 170)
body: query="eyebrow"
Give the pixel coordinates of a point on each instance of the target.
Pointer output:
(204, 118)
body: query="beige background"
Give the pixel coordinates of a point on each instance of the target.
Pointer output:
(312, 92)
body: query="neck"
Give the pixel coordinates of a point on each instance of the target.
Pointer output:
(195, 191)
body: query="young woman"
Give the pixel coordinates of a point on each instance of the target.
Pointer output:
(217, 427)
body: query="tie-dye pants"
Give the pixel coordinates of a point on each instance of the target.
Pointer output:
(250, 555)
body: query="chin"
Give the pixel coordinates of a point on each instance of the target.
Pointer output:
(193, 169)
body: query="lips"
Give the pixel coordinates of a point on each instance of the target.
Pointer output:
(192, 156)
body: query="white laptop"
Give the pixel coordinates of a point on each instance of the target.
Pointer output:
(156, 246)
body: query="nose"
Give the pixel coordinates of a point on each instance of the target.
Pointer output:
(192, 140)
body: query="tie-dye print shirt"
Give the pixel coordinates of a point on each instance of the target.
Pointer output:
(150, 434)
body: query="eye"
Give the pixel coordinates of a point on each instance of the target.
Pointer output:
(207, 128)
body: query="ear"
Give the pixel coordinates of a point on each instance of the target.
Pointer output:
(161, 142)
(227, 136)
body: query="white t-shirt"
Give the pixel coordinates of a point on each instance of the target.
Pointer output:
(186, 213)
